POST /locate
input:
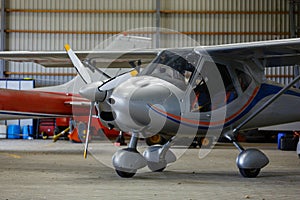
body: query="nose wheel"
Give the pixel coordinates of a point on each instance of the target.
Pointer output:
(159, 156)
(249, 173)
(128, 161)
(157, 167)
(124, 174)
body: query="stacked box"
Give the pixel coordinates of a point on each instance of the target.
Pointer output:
(13, 131)
(3, 131)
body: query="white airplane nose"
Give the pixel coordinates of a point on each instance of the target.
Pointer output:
(141, 100)
(131, 103)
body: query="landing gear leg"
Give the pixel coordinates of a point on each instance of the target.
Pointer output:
(128, 161)
(120, 141)
(249, 161)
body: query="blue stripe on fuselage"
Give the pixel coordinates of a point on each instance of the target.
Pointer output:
(264, 91)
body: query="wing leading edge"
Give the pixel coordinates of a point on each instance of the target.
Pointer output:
(60, 58)
(271, 53)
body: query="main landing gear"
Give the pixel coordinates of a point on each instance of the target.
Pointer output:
(128, 161)
(249, 161)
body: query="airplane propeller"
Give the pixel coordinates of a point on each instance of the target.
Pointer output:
(88, 80)
(95, 91)
(78, 65)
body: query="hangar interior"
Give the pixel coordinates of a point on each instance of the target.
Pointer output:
(38, 169)
(46, 25)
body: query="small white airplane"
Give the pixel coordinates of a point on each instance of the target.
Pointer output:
(209, 90)
(202, 90)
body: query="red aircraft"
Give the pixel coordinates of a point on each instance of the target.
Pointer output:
(51, 102)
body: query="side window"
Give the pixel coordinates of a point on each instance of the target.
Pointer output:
(243, 78)
(201, 99)
(231, 93)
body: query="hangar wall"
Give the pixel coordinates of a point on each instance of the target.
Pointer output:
(49, 24)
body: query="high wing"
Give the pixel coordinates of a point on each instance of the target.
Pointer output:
(270, 53)
(121, 49)
(118, 59)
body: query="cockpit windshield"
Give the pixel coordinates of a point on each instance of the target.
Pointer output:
(174, 66)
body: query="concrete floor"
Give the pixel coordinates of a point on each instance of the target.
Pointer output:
(36, 169)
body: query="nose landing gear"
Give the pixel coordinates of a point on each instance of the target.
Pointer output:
(128, 161)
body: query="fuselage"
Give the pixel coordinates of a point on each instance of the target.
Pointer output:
(20, 104)
(186, 92)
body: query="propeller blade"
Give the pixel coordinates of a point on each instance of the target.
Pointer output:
(113, 82)
(82, 71)
(88, 131)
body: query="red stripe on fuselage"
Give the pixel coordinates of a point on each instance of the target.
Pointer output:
(195, 122)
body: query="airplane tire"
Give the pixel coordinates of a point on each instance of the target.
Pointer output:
(154, 167)
(125, 174)
(249, 173)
